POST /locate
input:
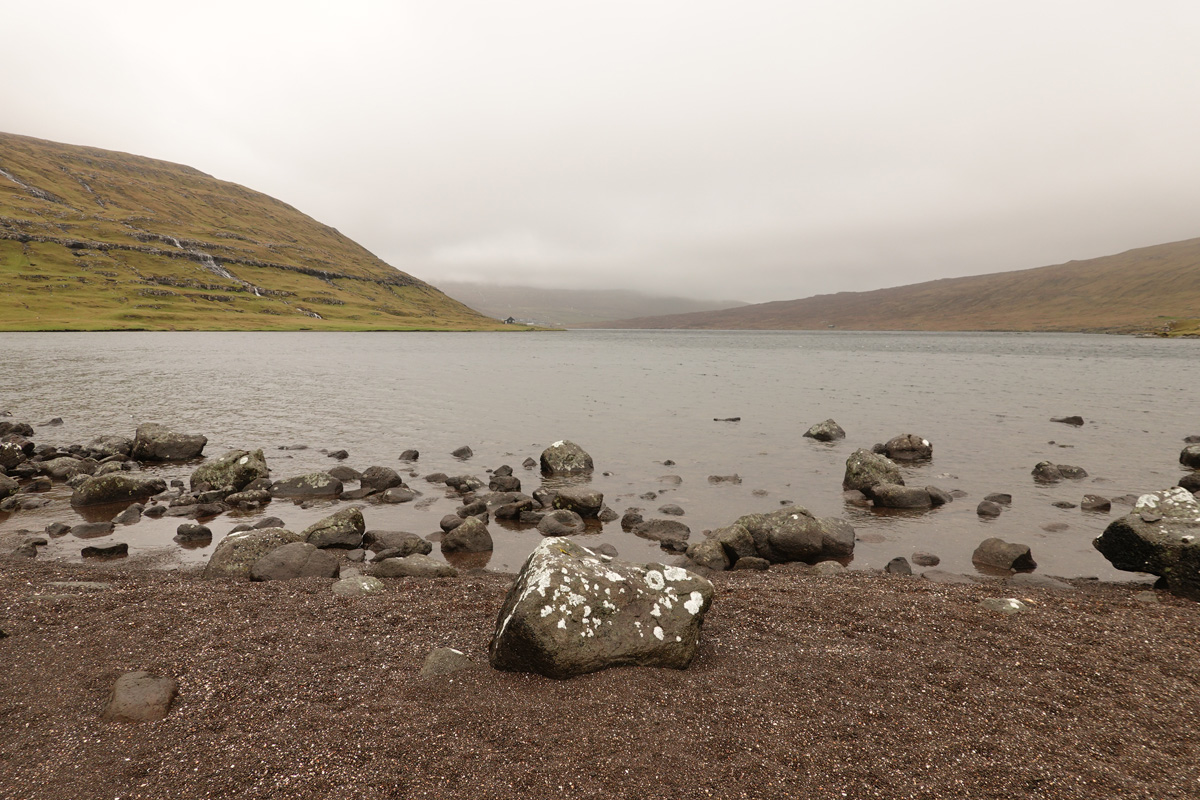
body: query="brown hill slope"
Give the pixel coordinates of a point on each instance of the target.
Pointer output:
(92, 239)
(1139, 290)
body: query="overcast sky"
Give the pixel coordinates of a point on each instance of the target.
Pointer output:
(751, 150)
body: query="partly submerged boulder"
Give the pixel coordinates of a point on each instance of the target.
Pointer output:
(794, 534)
(236, 469)
(565, 458)
(1000, 554)
(908, 447)
(313, 485)
(1161, 536)
(827, 431)
(154, 442)
(583, 501)
(571, 612)
(864, 469)
(115, 488)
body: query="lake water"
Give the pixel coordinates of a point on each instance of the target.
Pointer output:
(635, 399)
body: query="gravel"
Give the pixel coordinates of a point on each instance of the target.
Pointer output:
(856, 685)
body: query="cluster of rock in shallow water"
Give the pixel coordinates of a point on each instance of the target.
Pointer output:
(634, 613)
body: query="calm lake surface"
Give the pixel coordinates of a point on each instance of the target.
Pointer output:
(634, 399)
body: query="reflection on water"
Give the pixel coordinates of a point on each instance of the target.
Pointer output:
(634, 400)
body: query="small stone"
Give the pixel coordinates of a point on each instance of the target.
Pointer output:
(357, 586)
(989, 509)
(898, 566)
(140, 697)
(999, 498)
(1005, 605)
(445, 661)
(462, 453)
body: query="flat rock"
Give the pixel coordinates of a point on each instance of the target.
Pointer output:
(154, 442)
(414, 566)
(140, 697)
(794, 534)
(357, 586)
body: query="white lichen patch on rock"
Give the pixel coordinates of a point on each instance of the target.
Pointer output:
(569, 613)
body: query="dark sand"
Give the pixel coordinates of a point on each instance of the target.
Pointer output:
(855, 685)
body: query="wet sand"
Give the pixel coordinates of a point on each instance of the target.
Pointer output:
(852, 685)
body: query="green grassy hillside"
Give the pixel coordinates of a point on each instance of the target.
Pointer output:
(96, 240)
(1148, 290)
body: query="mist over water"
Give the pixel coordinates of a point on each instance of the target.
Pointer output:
(635, 399)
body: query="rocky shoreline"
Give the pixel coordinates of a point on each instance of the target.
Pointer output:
(337, 661)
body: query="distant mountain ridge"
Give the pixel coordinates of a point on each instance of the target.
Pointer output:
(1149, 289)
(572, 307)
(93, 239)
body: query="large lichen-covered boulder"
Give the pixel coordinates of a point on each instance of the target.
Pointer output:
(313, 485)
(864, 469)
(11, 454)
(794, 534)
(115, 488)
(908, 447)
(344, 528)
(154, 442)
(235, 555)
(236, 470)
(1160, 536)
(565, 458)
(571, 612)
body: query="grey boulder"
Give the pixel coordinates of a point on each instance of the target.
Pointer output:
(571, 612)
(1162, 537)
(908, 447)
(313, 485)
(115, 488)
(235, 470)
(154, 442)
(562, 522)
(344, 528)
(865, 469)
(1000, 554)
(471, 536)
(413, 566)
(236, 553)
(794, 534)
(295, 560)
(584, 502)
(827, 431)
(565, 458)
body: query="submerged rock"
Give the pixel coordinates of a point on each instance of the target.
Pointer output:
(571, 612)
(562, 522)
